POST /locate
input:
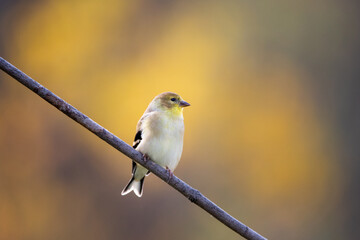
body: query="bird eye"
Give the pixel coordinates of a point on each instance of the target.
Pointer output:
(173, 99)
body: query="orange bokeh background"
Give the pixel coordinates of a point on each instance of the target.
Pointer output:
(270, 136)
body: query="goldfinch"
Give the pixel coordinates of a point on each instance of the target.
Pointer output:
(159, 136)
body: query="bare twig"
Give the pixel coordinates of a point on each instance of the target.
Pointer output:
(189, 192)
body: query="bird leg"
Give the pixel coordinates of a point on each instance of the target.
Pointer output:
(171, 174)
(146, 157)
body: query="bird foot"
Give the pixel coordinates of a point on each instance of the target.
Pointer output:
(171, 174)
(146, 158)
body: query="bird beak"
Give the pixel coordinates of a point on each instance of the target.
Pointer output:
(184, 104)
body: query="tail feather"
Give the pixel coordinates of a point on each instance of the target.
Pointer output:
(134, 185)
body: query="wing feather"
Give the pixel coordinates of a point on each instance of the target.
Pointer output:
(138, 137)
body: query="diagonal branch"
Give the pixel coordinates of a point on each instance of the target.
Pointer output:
(189, 192)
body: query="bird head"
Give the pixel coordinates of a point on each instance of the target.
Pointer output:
(170, 102)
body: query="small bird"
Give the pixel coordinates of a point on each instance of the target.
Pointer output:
(159, 137)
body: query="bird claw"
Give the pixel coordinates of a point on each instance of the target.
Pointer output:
(171, 174)
(146, 158)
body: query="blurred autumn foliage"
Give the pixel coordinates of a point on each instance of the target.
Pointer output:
(272, 135)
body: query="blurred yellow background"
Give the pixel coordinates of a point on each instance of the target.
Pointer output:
(272, 134)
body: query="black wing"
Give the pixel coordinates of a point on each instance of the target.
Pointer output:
(137, 140)
(136, 143)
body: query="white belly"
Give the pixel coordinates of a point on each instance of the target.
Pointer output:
(164, 142)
